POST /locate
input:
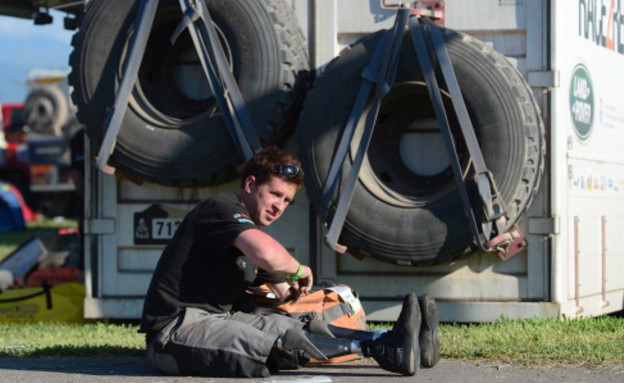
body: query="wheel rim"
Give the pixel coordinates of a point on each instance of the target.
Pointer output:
(422, 172)
(171, 89)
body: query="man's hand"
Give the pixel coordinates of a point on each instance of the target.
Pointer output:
(305, 282)
(262, 250)
(280, 290)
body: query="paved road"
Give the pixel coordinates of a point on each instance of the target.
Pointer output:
(137, 370)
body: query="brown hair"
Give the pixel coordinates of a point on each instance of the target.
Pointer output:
(262, 162)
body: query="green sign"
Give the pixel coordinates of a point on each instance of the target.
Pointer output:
(582, 101)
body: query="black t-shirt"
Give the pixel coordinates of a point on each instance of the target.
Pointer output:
(200, 267)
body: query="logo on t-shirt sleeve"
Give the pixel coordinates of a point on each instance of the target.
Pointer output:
(243, 218)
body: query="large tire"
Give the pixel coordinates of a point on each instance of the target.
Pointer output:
(46, 110)
(172, 132)
(406, 207)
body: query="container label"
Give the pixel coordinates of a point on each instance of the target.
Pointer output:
(156, 225)
(602, 22)
(164, 228)
(582, 101)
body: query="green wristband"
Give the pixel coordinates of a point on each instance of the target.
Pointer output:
(296, 276)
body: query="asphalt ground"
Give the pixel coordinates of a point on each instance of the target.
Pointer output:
(137, 370)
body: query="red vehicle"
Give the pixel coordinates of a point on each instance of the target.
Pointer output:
(34, 163)
(13, 139)
(13, 121)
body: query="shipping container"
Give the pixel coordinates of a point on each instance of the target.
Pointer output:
(567, 52)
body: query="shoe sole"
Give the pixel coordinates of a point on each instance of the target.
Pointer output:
(429, 341)
(410, 332)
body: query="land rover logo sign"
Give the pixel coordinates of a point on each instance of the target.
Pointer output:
(582, 101)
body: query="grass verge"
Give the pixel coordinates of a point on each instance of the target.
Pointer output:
(545, 342)
(528, 343)
(64, 339)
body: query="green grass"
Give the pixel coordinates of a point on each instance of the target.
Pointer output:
(587, 341)
(90, 339)
(528, 343)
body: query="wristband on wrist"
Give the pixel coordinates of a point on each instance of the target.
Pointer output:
(296, 276)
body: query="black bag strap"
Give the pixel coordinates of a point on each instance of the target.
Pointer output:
(46, 290)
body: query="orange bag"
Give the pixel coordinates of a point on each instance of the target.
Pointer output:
(338, 305)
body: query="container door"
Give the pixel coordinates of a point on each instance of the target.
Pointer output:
(589, 56)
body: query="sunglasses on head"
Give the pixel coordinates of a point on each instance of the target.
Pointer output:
(286, 170)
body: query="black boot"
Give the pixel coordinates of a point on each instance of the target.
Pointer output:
(398, 350)
(428, 339)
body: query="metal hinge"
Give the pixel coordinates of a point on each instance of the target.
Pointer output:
(543, 79)
(544, 225)
(432, 9)
(100, 226)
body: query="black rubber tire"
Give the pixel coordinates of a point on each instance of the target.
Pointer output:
(46, 110)
(174, 135)
(408, 216)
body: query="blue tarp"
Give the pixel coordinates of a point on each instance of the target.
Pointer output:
(11, 216)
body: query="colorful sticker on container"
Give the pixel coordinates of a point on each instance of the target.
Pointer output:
(582, 102)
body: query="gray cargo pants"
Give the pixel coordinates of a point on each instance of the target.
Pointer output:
(199, 343)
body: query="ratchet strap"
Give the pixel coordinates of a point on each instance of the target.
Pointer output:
(136, 49)
(494, 209)
(222, 83)
(382, 77)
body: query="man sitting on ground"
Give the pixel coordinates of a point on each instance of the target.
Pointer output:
(198, 319)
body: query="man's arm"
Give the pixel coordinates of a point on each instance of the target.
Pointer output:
(264, 251)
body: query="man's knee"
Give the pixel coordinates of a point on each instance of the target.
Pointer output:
(161, 361)
(194, 361)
